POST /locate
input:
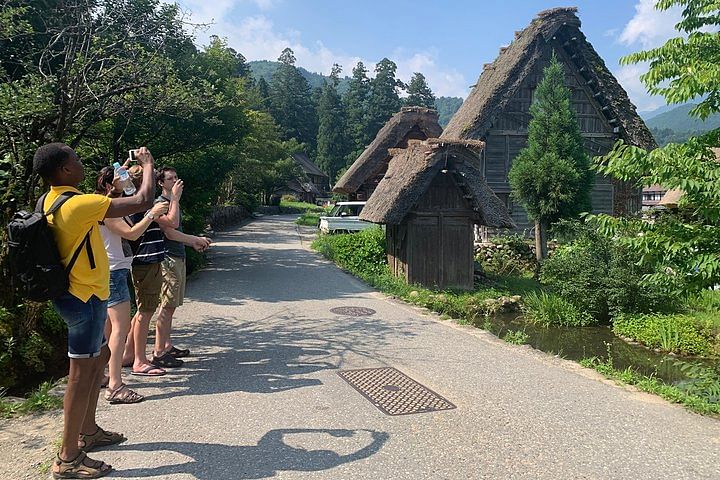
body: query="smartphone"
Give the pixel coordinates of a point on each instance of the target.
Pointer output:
(132, 156)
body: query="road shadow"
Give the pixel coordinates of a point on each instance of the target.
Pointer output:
(270, 456)
(273, 354)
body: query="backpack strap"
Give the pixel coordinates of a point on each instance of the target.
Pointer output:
(85, 243)
(64, 197)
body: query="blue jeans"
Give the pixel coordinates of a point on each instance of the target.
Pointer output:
(119, 291)
(85, 322)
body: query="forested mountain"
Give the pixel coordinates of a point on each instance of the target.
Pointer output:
(266, 69)
(446, 107)
(677, 126)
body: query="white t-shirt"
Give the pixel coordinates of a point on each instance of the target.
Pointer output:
(114, 247)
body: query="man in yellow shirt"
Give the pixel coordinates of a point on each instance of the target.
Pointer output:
(84, 306)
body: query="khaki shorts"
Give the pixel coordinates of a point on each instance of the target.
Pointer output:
(173, 287)
(147, 280)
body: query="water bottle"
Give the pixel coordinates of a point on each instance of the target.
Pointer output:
(128, 186)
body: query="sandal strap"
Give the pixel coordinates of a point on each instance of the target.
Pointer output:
(79, 467)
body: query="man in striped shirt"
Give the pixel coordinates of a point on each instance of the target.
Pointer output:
(149, 252)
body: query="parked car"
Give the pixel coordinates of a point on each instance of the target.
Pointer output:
(344, 217)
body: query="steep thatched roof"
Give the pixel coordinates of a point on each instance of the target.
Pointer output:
(303, 186)
(412, 171)
(307, 165)
(501, 79)
(375, 157)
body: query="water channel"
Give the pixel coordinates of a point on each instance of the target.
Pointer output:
(577, 343)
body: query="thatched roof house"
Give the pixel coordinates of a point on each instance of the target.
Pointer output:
(410, 123)
(413, 170)
(497, 109)
(312, 172)
(430, 199)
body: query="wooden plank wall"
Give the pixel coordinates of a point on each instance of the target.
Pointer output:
(508, 135)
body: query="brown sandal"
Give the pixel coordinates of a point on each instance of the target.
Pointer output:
(81, 467)
(100, 438)
(123, 395)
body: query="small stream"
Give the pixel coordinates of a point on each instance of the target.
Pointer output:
(577, 343)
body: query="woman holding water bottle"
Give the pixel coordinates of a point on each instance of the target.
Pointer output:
(114, 181)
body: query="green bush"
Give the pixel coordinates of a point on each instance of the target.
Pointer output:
(516, 337)
(600, 277)
(33, 341)
(678, 333)
(550, 309)
(363, 253)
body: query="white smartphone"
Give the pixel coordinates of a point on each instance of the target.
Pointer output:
(131, 154)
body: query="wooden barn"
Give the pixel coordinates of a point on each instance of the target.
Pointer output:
(364, 175)
(429, 200)
(497, 109)
(313, 184)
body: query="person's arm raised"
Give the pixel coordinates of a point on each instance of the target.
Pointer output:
(143, 199)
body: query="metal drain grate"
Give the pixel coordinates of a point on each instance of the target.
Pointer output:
(353, 311)
(393, 392)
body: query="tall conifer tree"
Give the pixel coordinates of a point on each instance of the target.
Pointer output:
(384, 100)
(551, 177)
(332, 143)
(355, 101)
(419, 93)
(291, 102)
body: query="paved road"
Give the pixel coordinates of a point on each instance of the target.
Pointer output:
(262, 397)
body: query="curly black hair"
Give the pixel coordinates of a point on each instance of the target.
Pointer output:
(49, 158)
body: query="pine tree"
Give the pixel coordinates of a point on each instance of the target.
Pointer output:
(263, 93)
(419, 93)
(551, 177)
(383, 101)
(332, 142)
(355, 102)
(291, 102)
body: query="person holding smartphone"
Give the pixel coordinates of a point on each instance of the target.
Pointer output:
(84, 306)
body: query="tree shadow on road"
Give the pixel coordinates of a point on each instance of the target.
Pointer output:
(271, 455)
(273, 354)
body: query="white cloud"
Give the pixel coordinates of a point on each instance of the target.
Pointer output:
(650, 27)
(257, 39)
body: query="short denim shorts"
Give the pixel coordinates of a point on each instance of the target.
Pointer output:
(119, 291)
(85, 322)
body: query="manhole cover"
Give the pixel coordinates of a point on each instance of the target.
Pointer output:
(353, 311)
(393, 392)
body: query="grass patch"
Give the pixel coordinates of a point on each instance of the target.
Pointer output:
(309, 219)
(302, 206)
(688, 334)
(551, 309)
(40, 400)
(694, 396)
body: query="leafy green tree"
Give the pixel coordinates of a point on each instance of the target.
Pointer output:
(383, 100)
(683, 247)
(332, 141)
(551, 177)
(356, 101)
(419, 93)
(291, 102)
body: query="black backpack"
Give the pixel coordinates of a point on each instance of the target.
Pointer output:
(33, 254)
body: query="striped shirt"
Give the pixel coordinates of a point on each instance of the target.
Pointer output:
(150, 247)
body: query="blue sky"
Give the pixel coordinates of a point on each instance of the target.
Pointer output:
(447, 41)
